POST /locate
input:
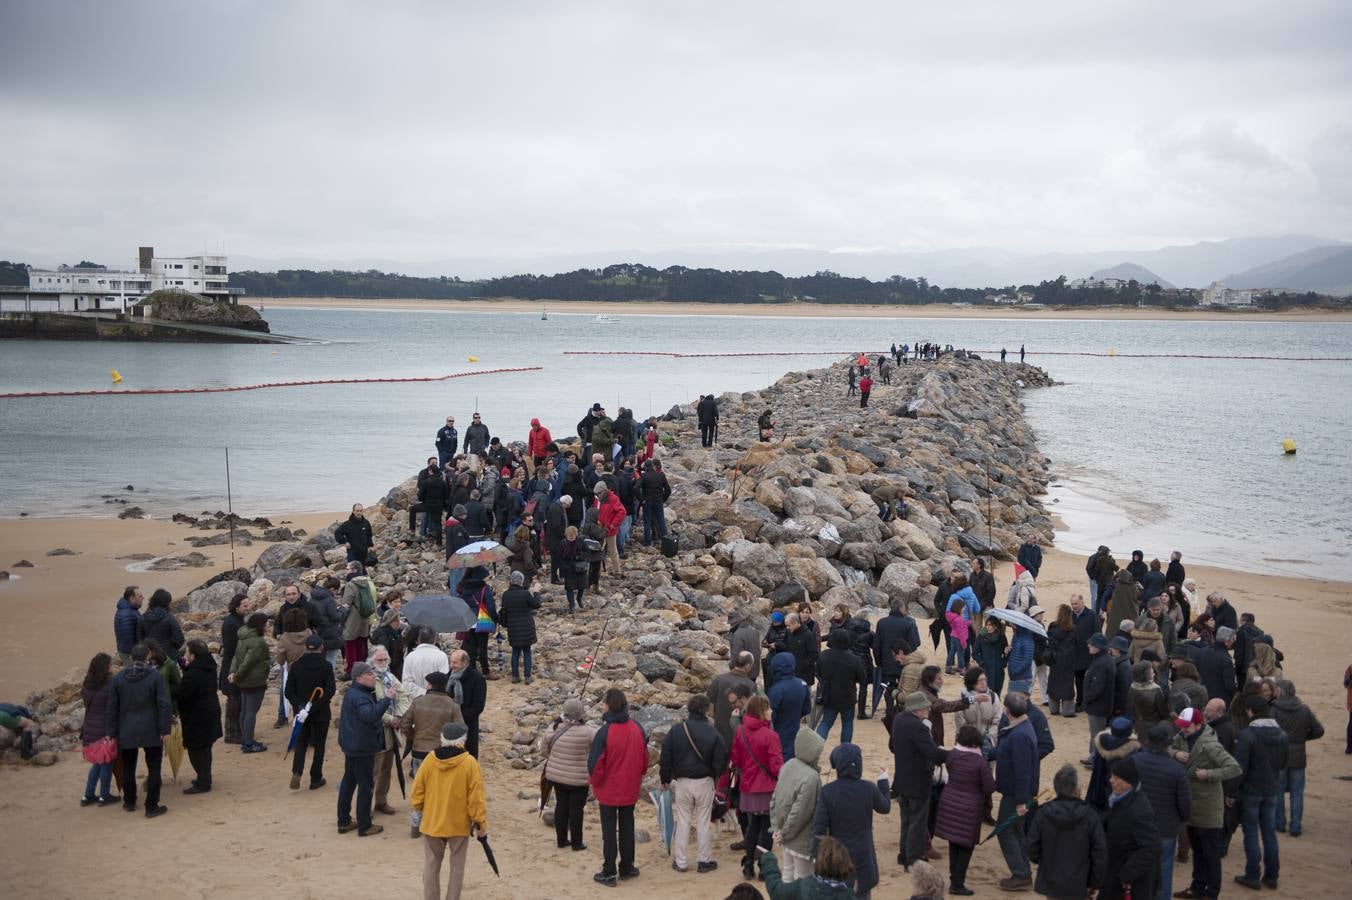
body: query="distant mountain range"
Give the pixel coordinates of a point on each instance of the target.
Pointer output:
(1128, 271)
(1325, 270)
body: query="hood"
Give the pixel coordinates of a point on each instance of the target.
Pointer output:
(808, 746)
(1124, 576)
(1288, 704)
(1267, 731)
(352, 517)
(846, 759)
(782, 665)
(534, 423)
(1110, 749)
(320, 594)
(1067, 813)
(446, 759)
(138, 670)
(293, 638)
(839, 640)
(361, 580)
(205, 663)
(124, 603)
(245, 633)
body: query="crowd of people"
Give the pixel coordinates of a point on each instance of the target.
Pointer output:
(1193, 732)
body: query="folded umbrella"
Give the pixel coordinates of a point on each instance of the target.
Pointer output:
(1008, 821)
(398, 767)
(877, 686)
(173, 749)
(488, 852)
(1023, 620)
(546, 788)
(666, 824)
(443, 612)
(479, 553)
(301, 716)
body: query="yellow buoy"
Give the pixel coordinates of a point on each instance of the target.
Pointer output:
(1112, 351)
(474, 359)
(117, 376)
(1289, 446)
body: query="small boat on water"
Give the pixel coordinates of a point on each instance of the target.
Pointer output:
(607, 320)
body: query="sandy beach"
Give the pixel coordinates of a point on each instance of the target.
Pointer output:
(251, 834)
(928, 311)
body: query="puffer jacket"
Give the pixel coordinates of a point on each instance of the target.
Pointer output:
(756, 754)
(970, 785)
(96, 714)
(138, 711)
(126, 626)
(789, 699)
(569, 745)
(516, 613)
(845, 809)
(795, 799)
(1300, 724)
(1206, 753)
(327, 620)
(160, 624)
(250, 665)
(1262, 752)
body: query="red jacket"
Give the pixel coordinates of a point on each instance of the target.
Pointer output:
(866, 384)
(611, 514)
(538, 439)
(649, 442)
(618, 759)
(764, 746)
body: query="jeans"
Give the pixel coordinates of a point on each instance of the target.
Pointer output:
(517, 654)
(250, 702)
(1292, 780)
(453, 578)
(1167, 848)
(654, 522)
(281, 708)
(1013, 843)
(914, 827)
(1259, 818)
(957, 654)
(100, 778)
(846, 723)
(431, 524)
(691, 800)
(570, 802)
(617, 837)
(331, 657)
(1206, 860)
(622, 538)
(312, 735)
(359, 775)
(154, 755)
(1093, 595)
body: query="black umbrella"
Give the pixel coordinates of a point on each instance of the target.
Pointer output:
(398, 766)
(442, 612)
(488, 851)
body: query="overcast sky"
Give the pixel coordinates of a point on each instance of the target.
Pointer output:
(428, 130)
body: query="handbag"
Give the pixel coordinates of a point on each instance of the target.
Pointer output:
(101, 752)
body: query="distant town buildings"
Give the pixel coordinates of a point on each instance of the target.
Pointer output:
(115, 290)
(1217, 294)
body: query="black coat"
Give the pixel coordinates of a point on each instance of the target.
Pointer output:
(433, 491)
(1086, 626)
(138, 707)
(983, 585)
(325, 618)
(476, 694)
(841, 673)
(356, 533)
(653, 486)
(160, 624)
(516, 613)
(1066, 841)
(894, 631)
(1217, 671)
(915, 755)
(1122, 688)
(556, 523)
(199, 708)
(230, 627)
(803, 645)
(1100, 684)
(307, 673)
(1061, 656)
(1133, 848)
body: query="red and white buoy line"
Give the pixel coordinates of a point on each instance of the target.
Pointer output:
(852, 353)
(137, 392)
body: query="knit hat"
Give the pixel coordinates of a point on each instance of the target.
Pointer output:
(572, 709)
(601, 489)
(517, 579)
(437, 680)
(359, 669)
(453, 734)
(314, 642)
(1120, 644)
(777, 617)
(917, 701)
(1126, 770)
(1189, 717)
(1098, 640)
(1120, 727)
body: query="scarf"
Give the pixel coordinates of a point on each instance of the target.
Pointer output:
(454, 687)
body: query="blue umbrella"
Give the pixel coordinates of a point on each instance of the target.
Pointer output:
(301, 716)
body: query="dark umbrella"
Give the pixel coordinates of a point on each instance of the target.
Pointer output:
(488, 851)
(442, 612)
(936, 630)
(398, 766)
(301, 716)
(1008, 821)
(877, 686)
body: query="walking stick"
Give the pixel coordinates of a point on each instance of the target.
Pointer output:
(599, 638)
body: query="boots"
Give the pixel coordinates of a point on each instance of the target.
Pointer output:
(26, 744)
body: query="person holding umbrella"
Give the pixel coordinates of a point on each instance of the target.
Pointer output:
(199, 711)
(311, 683)
(449, 792)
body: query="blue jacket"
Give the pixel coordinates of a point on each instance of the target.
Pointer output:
(1017, 767)
(360, 728)
(789, 701)
(126, 626)
(845, 809)
(969, 599)
(1020, 663)
(447, 440)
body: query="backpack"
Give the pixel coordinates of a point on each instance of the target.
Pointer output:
(366, 599)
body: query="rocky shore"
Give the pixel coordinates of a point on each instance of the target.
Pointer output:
(758, 525)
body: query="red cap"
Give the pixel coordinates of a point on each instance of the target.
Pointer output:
(1188, 717)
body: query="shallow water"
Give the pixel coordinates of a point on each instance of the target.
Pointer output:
(1155, 454)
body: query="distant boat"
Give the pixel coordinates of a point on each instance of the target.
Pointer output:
(607, 320)
(544, 314)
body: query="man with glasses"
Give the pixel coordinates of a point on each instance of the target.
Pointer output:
(476, 437)
(448, 439)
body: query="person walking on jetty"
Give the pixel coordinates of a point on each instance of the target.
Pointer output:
(199, 711)
(616, 765)
(449, 793)
(693, 757)
(865, 388)
(654, 490)
(139, 719)
(707, 412)
(360, 737)
(127, 622)
(850, 376)
(356, 534)
(311, 673)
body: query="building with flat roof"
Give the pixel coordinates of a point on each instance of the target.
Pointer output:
(115, 290)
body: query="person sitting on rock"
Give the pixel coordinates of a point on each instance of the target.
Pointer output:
(765, 425)
(891, 500)
(19, 720)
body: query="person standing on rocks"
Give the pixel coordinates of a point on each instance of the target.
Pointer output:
(744, 636)
(610, 514)
(890, 500)
(765, 426)
(556, 524)
(1021, 352)
(707, 412)
(360, 737)
(537, 445)
(477, 437)
(311, 673)
(693, 757)
(850, 377)
(139, 719)
(448, 440)
(477, 594)
(127, 622)
(358, 596)
(425, 659)
(654, 490)
(356, 534)
(160, 625)
(616, 765)
(865, 388)
(517, 615)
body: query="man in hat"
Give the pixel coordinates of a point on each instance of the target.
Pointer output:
(360, 737)
(915, 755)
(1120, 649)
(1133, 837)
(449, 793)
(1165, 782)
(311, 673)
(1100, 684)
(1041, 669)
(1017, 773)
(587, 426)
(744, 636)
(1208, 766)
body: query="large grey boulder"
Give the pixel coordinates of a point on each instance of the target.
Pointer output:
(288, 555)
(904, 582)
(215, 597)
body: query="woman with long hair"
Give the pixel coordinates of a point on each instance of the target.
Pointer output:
(250, 675)
(240, 607)
(94, 693)
(199, 711)
(1063, 652)
(757, 756)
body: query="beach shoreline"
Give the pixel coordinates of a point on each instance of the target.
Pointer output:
(797, 310)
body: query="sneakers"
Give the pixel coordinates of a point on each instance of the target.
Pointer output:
(316, 785)
(88, 801)
(607, 880)
(109, 800)
(529, 679)
(516, 679)
(295, 782)
(704, 867)
(632, 873)
(156, 810)
(1014, 883)
(367, 832)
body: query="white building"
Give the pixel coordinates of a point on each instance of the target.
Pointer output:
(115, 290)
(1217, 294)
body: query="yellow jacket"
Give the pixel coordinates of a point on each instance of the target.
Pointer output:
(449, 790)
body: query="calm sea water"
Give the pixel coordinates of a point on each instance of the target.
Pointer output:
(1155, 454)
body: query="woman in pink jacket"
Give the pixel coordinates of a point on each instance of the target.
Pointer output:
(757, 756)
